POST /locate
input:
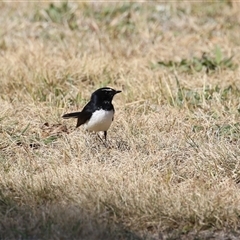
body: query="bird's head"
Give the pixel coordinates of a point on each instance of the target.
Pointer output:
(105, 94)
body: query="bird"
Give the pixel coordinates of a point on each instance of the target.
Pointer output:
(98, 113)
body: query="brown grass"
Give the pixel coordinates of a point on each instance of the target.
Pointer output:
(171, 169)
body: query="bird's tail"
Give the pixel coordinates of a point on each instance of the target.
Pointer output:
(72, 115)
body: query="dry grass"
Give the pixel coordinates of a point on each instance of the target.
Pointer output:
(172, 166)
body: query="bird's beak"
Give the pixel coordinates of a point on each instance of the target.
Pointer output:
(117, 91)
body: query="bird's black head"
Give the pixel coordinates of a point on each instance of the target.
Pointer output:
(104, 94)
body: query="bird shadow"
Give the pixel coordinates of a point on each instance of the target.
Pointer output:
(95, 142)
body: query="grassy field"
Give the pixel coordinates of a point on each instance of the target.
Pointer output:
(171, 169)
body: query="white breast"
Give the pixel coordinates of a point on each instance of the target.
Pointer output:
(100, 121)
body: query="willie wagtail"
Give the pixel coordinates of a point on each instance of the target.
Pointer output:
(98, 114)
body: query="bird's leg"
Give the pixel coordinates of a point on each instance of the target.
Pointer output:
(99, 137)
(105, 135)
(105, 138)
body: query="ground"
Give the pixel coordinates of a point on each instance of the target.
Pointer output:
(171, 166)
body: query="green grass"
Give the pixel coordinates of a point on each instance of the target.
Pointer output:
(204, 63)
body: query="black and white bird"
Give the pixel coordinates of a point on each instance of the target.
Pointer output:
(98, 113)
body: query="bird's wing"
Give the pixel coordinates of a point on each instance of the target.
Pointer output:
(85, 114)
(82, 116)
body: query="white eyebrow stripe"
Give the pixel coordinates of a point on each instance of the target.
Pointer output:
(107, 89)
